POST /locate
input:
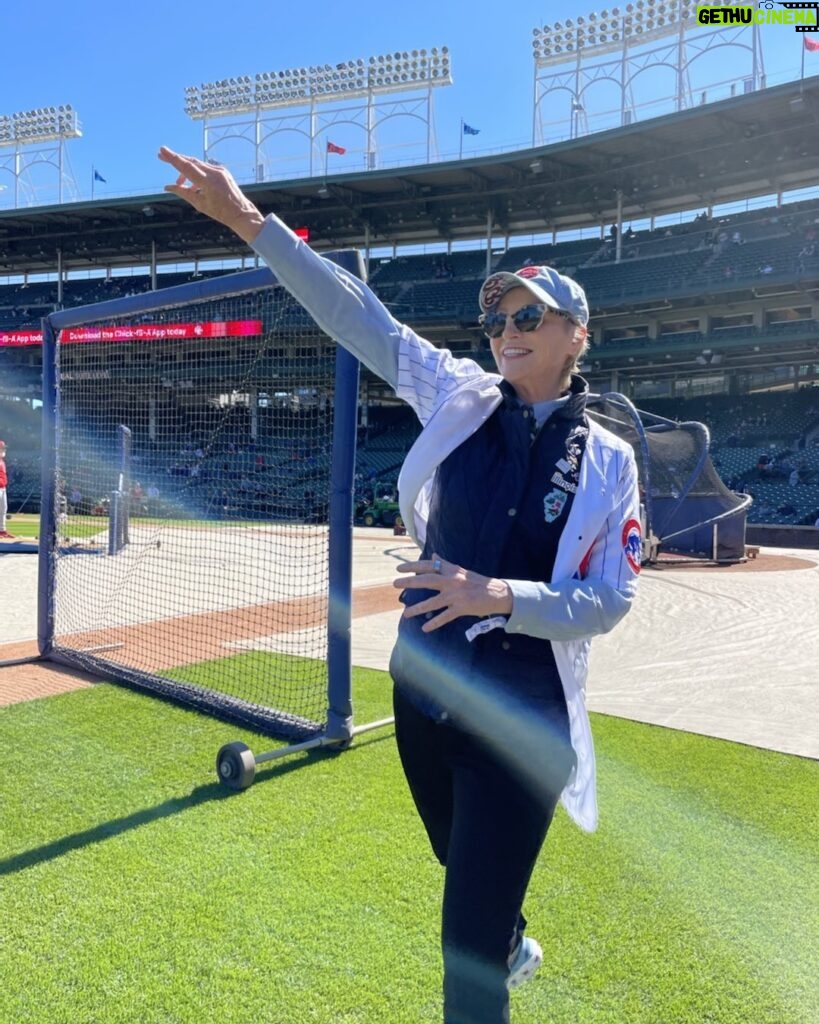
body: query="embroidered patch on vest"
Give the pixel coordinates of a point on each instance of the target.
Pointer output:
(561, 481)
(553, 505)
(575, 446)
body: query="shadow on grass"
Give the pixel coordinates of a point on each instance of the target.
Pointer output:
(360, 743)
(110, 829)
(176, 805)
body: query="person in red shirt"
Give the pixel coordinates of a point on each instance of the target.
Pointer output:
(4, 480)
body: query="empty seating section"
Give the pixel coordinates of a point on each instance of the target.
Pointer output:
(778, 431)
(678, 260)
(638, 278)
(439, 288)
(760, 245)
(563, 255)
(383, 448)
(757, 441)
(781, 427)
(437, 300)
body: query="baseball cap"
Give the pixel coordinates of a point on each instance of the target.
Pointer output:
(548, 286)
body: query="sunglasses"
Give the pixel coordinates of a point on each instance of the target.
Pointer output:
(526, 319)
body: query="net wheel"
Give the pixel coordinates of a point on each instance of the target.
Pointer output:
(236, 766)
(338, 748)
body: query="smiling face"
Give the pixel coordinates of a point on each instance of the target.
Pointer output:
(537, 363)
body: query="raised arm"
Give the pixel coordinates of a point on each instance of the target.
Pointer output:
(342, 305)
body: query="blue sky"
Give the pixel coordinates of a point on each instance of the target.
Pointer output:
(125, 68)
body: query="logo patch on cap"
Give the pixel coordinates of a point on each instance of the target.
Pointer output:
(527, 272)
(633, 544)
(492, 290)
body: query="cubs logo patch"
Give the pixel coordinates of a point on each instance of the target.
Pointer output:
(493, 290)
(553, 505)
(527, 272)
(633, 543)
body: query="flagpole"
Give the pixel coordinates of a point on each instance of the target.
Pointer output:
(461, 144)
(802, 75)
(92, 181)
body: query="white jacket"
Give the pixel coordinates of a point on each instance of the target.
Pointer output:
(597, 562)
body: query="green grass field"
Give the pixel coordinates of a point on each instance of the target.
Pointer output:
(26, 525)
(134, 889)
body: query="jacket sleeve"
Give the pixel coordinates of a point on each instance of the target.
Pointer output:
(342, 305)
(595, 600)
(349, 312)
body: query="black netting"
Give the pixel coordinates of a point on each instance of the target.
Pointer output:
(686, 506)
(192, 553)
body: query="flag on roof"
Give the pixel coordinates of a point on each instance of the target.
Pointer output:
(469, 130)
(333, 148)
(811, 43)
(98, 176)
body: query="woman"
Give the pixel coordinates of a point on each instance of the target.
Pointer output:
(527, 514)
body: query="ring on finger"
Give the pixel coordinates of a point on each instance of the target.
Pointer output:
(436, 565)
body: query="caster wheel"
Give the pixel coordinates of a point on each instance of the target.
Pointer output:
(339, 748)
(236, 766)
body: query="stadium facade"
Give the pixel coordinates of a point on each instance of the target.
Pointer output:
(720, 313)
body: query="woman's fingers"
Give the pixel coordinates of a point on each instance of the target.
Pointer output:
(425, 565)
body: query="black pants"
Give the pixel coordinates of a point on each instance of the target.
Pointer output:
(486, 825)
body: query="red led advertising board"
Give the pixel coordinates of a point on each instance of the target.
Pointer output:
(139, 332)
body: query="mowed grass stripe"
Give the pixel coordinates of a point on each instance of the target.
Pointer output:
(132, 889)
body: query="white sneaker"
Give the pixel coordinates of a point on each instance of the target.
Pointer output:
(524, 962)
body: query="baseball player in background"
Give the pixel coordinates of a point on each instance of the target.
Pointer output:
(4, 482)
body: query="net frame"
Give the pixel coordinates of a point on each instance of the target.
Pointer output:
(338, 725)
(119, 520)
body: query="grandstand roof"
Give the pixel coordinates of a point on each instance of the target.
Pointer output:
(750, 145)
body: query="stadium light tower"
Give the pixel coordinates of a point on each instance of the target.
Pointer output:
(310, 100)
(614, 46)
(37, 136)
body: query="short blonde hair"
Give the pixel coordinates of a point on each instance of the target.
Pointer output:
(573, 364)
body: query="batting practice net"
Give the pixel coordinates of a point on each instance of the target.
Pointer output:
(196, 538)
(687, 509)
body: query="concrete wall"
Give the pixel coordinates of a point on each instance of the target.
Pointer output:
(782, 536)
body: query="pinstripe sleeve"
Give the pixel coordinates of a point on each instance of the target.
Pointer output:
(342, 305)
(576, 608)
(426, 375)
(350, 312)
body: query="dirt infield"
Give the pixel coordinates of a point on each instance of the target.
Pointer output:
(180, 641)
(729, 651)
(376, 552)
(159, 645)
(763, 562)
(35, 679)
(163, 644)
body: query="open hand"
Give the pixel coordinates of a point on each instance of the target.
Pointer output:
(459, 592)
(212, 190)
